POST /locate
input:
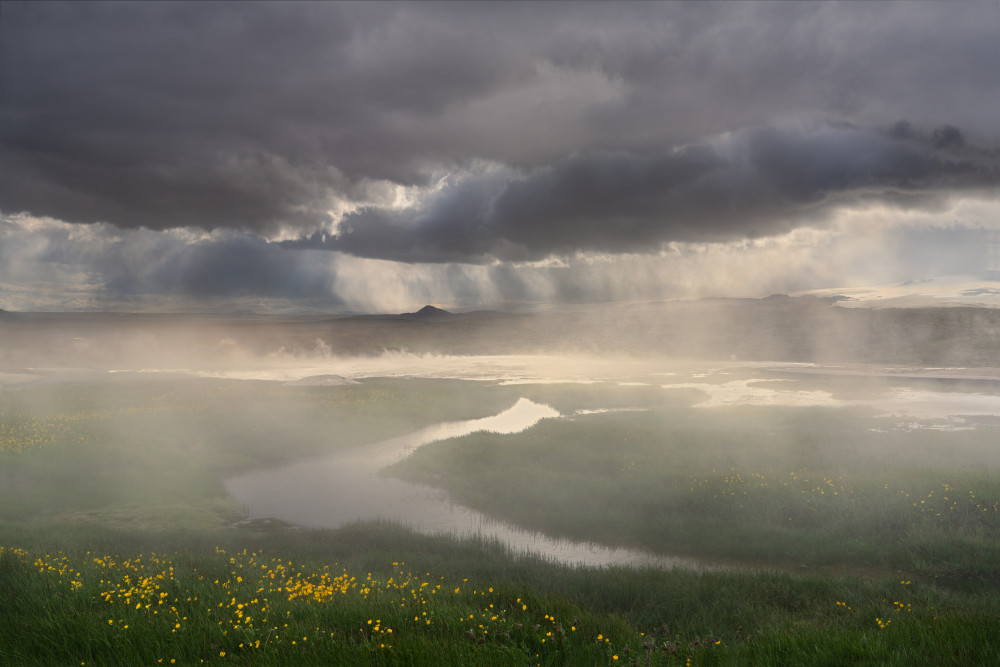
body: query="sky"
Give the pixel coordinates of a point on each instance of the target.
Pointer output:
(376, 157)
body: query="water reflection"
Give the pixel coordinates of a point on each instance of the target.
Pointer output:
(346, 487)
(752, 392)
(941, 410)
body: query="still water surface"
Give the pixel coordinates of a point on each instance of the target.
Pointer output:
(347, 487)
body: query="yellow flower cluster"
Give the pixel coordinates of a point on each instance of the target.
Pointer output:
(952, 500)
(734, 483)
(22, 432)
(60, 566)
(243, 605)
(815, 488)
(14, 551)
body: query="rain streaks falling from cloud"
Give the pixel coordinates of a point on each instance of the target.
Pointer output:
(366, 156)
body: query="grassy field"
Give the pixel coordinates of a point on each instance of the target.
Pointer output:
(119, 546)
(166, 447)
(792, 487)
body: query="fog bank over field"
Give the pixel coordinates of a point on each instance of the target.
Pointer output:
(777, 329)
(780, 351)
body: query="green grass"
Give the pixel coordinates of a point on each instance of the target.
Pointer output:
(111, 497)
(139, 447)
(811, 487)
(68, 607)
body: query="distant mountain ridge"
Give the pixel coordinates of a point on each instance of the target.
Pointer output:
(808, 329)
(435, 314)
(429, 312)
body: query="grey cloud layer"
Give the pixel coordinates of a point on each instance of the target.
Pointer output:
(759, 182)
(257, 116)
(143, 263)
(67, 267)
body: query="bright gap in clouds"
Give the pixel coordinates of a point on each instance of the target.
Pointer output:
(46, 264)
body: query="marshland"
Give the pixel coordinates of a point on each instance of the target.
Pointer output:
(491, 333)
(431, 508)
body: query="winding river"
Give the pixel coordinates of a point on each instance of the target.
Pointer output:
(347, 487)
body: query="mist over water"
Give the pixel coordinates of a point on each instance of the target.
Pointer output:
(724, 384)
(346, 487)
(333, 490)
(509, 369)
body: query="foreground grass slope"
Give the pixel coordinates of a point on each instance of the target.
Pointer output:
(335, 597)
(118, 545)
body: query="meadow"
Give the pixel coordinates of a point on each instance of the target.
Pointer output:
(800, 488)
(833, 536)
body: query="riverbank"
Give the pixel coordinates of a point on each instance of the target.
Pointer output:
(106, 481)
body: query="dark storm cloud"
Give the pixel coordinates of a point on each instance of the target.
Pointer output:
(226, 115)
(758, 182)
(258, 116)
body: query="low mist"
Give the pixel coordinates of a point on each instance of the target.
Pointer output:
(778, 328)
(715, 438)
(220, 396)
